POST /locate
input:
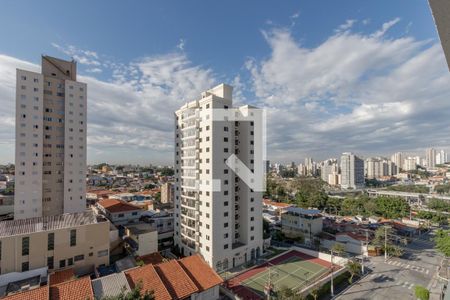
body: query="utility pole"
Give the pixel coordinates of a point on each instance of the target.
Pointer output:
(331, 286)
(385, 244)
(367, 249)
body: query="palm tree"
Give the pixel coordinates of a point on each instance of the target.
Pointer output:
(354, 268)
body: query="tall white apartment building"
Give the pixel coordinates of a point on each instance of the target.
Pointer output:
(410, 164)
(327, 168)
(430, 156)
(397, 159)
(377, 167)
(224, 226)
(352, 171)
(50, 141)
(441, 157)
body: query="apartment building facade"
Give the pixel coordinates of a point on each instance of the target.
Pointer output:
(50, 141)
(352, 171)
(78, 240)
(224, 226)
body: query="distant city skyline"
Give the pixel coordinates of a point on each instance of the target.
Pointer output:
(370, 79)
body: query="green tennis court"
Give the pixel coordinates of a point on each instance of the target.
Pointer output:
(293, 273)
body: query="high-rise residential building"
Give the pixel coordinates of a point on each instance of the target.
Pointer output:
(430, 156)
(441, 157)
(328, 167)
(167, 193)
(352, 171)
(410, 164)
(50, 141)
(378, 167)
(397, 159)
(224, 226)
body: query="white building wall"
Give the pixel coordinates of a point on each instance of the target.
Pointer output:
(75, 147)
(226, 225)
(29, 137)
(50, 141)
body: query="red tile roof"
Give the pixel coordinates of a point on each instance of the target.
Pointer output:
(276, 204)
(151, 259)
(62, 276)
(78, 289)
(202, 275)
(150, 281)
(115, 206)
(40, 293)
(178, 283)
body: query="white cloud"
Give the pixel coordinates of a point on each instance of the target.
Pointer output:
(130, 119)
(354, 92)
(346, 26)
(181, 44)
(84, 57)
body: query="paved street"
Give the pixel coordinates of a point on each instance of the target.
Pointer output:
(396, 278)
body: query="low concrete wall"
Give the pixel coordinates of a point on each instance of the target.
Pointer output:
(338, 260)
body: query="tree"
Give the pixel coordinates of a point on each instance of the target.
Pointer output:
(285, 293)
(421, 293)
(379, 240)
(392, 207)
(338, 249)
(315, 293)
(442, 240)
(354, 268)
(438, 204)
(135, 294)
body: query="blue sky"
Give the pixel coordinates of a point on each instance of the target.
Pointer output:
(325, 70)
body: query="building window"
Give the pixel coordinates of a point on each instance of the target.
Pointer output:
(225, 225)
(62, 263)
(73, 237)
(25, 246)
(51, 241)
(225, 214)
(225, 203)
(25, 266)
(50, 262)
(102, 253)
(225, 236)
(70, 261)
(225, 246)
(79, 257)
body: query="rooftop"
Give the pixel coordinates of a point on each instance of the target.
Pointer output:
(202, 275)
(74, 289)
(302, 211)
(276, 204)
(150, 280)
(110, 286)
(152, 258)
(62, 276)
(40, 293)
(178, 283)
(39, 224)
(115, 205)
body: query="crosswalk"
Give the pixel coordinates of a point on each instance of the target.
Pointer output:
(380, 277)
(407, 285)
(396, 263)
